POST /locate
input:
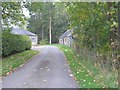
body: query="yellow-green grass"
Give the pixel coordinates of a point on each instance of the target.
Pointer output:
(86, 74)
(10, 63)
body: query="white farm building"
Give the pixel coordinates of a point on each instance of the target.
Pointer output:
(66, 38)
(32, 36)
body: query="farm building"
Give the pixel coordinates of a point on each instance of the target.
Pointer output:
(32, 36)
(66, 38)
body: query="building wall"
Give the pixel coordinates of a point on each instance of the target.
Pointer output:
(66, 41)
(34, 39)
(61, 41)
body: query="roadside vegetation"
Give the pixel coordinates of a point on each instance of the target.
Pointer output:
(15, 51)
(44, 42)
(12, 43)
(12, 62)
(86, 73)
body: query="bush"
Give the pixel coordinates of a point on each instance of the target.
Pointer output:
(14, 43)
(43, 42)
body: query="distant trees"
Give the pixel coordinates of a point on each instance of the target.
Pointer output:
(39, 22)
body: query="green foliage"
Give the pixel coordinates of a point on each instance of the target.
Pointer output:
(44, 42)
(39, 20)
(92, 23)
(12, 13)
(14, 43)
(14, 61)
(96, 26)
(7, 30)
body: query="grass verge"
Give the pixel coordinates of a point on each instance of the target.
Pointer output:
(10, 63)
(86, 74)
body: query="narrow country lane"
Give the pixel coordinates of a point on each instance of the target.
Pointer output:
(48, 69)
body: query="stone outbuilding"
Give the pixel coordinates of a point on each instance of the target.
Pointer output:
(66, 38)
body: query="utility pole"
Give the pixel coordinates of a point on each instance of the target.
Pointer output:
(50, 30)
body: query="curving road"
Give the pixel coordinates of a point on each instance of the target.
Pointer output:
(48, 69)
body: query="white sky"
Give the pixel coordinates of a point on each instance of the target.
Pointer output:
(26, 12)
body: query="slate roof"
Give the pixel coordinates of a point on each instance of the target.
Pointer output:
(67, 33)
(22, 32)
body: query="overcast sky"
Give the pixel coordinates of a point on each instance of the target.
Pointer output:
(26, 12)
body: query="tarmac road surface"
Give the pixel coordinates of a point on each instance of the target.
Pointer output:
(48, 69)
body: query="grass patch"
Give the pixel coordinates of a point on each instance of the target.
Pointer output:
(10, 63)
(86, 74)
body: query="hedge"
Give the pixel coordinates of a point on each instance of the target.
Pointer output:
(12, 43)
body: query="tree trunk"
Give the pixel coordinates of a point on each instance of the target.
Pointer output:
(1, 31)
(119, 25)
(119, 41)
(42, 33)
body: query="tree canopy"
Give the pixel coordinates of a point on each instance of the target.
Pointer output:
(12, 13)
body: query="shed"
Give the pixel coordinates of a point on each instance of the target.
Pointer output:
(31, 35)
(66, 38)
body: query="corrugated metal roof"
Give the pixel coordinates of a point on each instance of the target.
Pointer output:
(22, 32)
(67, 33)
